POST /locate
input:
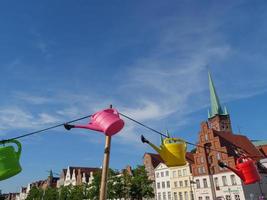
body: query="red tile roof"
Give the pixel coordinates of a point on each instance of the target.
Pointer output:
(240, 142)
(155, 159)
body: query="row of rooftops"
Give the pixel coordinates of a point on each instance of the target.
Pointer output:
(256, 149)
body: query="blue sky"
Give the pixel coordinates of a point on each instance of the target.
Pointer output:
(61, 60)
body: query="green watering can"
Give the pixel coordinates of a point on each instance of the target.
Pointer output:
(9, 160)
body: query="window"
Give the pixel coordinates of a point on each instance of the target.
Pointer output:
(167, 173)
(163, 184)
(180, 196)
(228, 197)
(201, 159)
(158, 185)
(164, 195)
(218, 156)
(198, 183)
(199, 170)
(184, 172)
(162, 174)
(207, 198)
(159, 196)
(181, 183)
(206, 137)
(157, 175)
(175, 196)
(192, 195)
(203, 170)
(169, 196)
(174, 174)
(199, 198)
(175, 184)
(237, 197)
(205, 183)
(224, 180)
(216, 183)
(168, 184)
(179, 173)
(185, 195)
(233, 180)
(210, 159)
(186, 183)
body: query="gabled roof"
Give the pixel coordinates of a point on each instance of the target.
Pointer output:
(189, 157)
(241, 142)
(83, 170)
(155, 159)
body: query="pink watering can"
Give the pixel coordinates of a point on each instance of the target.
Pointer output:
(107, 121)
(245, 169)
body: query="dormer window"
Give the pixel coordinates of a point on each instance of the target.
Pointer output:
(206, 137)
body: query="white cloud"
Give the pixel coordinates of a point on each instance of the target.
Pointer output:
(12, 118)
(32, 98)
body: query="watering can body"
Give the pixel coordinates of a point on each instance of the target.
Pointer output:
(9, 160)
(107, 121)
(172, 151)
(246, 170)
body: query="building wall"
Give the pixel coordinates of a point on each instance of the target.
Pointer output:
(253, 191)
(228, 186)
(202, 187)
(163, 182)
(180, 177)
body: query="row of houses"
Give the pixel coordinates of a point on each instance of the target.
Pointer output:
(69, 176)
(202, 178)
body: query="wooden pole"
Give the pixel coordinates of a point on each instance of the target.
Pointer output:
(103, 187)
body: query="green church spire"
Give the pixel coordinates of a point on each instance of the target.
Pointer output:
(216, 108)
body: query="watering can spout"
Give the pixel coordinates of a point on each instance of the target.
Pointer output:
(68, 126)
(144, 140)
(87, 126)
(90, 126)
(236, 171)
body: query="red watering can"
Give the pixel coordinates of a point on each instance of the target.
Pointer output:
(245, 169)
(107, 121)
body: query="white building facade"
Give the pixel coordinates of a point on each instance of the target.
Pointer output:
(228, 186)
(163, 182)
(181, 182)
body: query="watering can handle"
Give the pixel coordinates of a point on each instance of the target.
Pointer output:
(19, 147)
(185, 144)
(242, 157)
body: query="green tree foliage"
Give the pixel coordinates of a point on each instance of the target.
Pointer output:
(50, 194)
(141, 186)
(35, 194)
(119, 186)
(64, 192)
(94, 187)
(77, 192)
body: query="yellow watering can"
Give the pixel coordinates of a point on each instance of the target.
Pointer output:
(9, 160)
(172, 151)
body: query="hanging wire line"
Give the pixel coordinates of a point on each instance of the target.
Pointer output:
(196, 145)
(45, 129)
(143, 125)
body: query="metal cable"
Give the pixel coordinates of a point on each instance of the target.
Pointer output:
(196, 145)
(45, 129)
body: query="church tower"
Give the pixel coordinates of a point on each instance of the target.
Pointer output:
(218, 118)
